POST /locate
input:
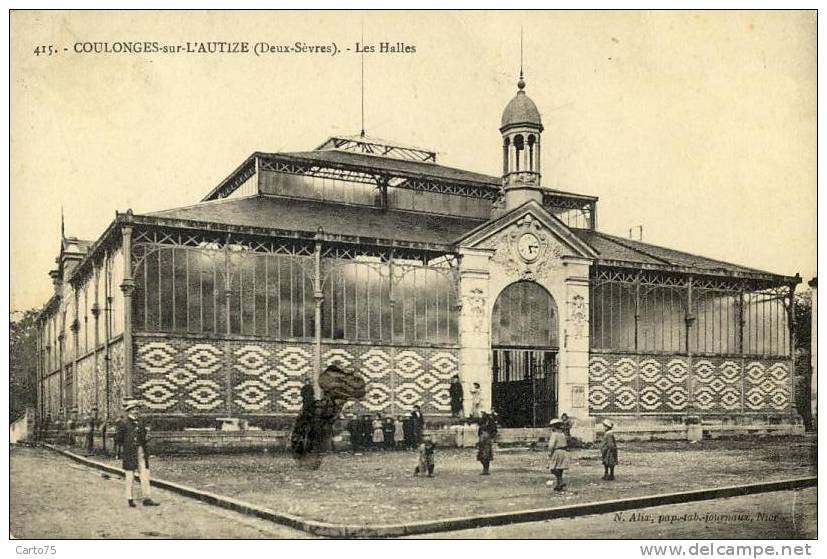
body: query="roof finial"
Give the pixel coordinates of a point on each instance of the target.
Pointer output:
(62, 225)
(521, 81)
(362, 134)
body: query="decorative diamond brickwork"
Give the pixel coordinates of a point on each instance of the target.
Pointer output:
(626, 383)
(116, 355)
(178, 375)
(267, 376)
(100, 371)
(399, 378)
(766, 386)
(85, 380)
(612, 387)
(717, 385)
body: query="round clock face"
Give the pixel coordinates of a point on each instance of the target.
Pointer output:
(528, 247)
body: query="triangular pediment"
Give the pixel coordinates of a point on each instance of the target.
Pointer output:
(550, 233)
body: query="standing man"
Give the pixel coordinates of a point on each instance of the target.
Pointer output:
(455, 391)
(133, 433)
(418, 424)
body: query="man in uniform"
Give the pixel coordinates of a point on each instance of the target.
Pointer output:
(133, 433)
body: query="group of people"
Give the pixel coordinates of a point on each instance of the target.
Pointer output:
(486, 431)
(558, 455)
(457, 395)
(558, 449)
(132, 433)
(386, 433)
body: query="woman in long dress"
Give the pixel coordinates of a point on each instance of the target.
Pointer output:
(558, 454)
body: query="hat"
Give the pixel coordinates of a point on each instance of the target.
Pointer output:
(608, 424)
(131, 404)
(554, 422)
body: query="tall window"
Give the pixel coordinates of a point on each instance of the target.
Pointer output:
(727, 321)
(184, 289)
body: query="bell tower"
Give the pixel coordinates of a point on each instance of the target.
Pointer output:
(521, 127)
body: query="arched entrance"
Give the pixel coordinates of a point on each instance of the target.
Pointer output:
(524, 343)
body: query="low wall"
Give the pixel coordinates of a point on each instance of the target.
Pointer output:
(22, 429)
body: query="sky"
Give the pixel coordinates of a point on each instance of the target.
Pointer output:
(698, 126)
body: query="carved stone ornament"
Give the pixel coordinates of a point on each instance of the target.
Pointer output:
(474, 303)
(578, 316)
(526, 249)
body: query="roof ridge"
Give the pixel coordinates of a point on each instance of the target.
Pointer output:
(630, 244)
(316, 154)
(307, 200)
(621, 241)
(201, 203)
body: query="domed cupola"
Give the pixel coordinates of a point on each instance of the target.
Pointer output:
(521, 127)
(521, 110)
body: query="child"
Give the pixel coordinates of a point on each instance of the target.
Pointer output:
(426, 457)
(388, 430)
(399, 432)
(608, 451)
(378, 435)
(558, 455)
(476, 400)
(485, 447)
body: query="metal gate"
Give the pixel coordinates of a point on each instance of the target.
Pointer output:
(524, 387)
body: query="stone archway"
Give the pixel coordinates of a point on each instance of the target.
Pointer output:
(524, 346)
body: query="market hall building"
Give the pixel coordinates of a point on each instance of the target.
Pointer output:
(371, 255)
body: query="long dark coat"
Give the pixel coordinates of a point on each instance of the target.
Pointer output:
(408, 432)
(418, 422)
(133, 433)
(388, 430)
(455, 391)
(485, 450)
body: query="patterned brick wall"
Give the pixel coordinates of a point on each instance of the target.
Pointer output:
(622, 383)
(244, 377)
(117, 381)
(94, 365)
(267, 377)
(52, 395)
(718, 384)
(399, 377)
(85, 380)
(100, 366)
